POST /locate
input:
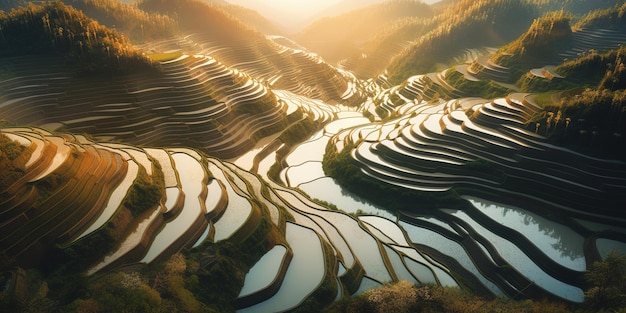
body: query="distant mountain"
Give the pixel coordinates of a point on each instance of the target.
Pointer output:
(253, 18)
(376, 53)
(345, 6)
(341, 36)
(290, 17)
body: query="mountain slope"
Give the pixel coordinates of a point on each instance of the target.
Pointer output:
(610, 18)
(136, 24)
(57, 29)
(220, 110)
(540, 45)
(495, 21)
(577, 7)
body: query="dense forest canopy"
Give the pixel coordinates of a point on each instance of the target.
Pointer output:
(55, 28)
(136, 24)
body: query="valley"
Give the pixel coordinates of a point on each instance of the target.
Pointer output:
(214, 168)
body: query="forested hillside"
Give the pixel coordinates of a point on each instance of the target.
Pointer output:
(538, 46)
(589, 96)
(55, 28)
(207, 16)
(577, 7)
(610, 18)
(467, 24)
(136, 24)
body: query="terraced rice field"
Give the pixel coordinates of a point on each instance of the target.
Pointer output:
(193, 102)
(214, 203)
(231, 103)
(428, 152)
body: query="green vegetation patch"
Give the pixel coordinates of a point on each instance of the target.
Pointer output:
(593, 121)
(333, 39)
(484, 88)
(221, 267)
(13, 158)
(160, 57)
(347, 172)
(146, 191)
(591, 69)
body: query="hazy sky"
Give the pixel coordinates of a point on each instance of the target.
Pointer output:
(300, 7)
(308, 6)
(291, 13)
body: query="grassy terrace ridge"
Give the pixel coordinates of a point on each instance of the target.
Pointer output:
(482, 88)
(342, 167)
